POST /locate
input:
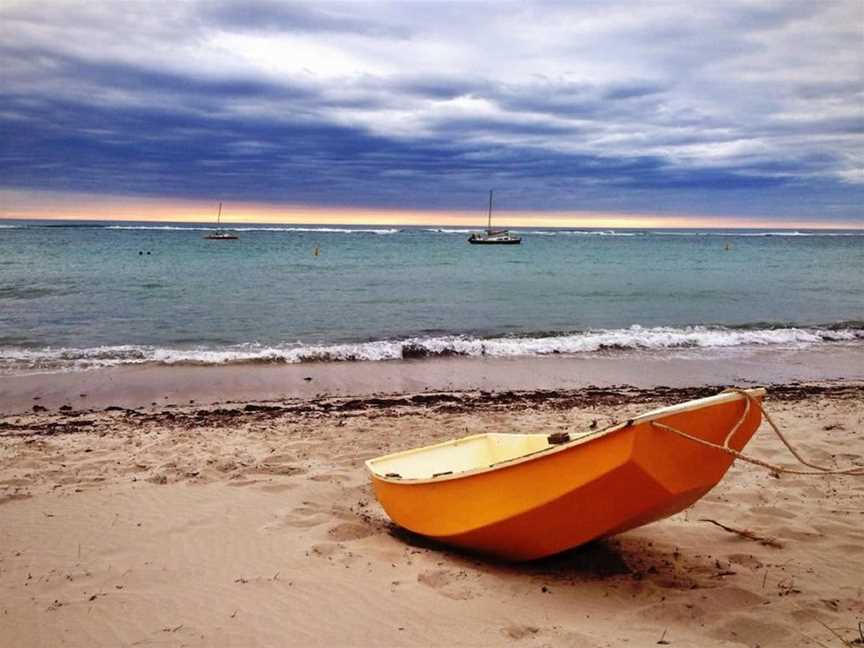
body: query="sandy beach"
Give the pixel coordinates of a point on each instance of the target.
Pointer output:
(254, 524)
(248, 248)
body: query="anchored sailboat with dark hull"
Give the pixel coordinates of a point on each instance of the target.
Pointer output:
(220, 234)
(491, 236)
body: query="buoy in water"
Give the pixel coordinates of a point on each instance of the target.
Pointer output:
(317, 251)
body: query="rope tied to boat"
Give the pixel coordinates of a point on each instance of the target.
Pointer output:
(750, 400)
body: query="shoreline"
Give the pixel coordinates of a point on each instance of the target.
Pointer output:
(158, 385)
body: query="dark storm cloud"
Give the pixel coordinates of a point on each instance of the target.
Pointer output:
(379, 105)
(64, 70)
(144, 151)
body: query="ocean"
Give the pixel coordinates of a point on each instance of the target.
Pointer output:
(80, 295)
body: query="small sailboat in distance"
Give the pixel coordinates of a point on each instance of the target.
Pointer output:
(493, 237)
(220, 234)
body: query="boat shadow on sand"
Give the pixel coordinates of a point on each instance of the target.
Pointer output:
(633, 557)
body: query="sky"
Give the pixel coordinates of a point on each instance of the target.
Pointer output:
(712, 113)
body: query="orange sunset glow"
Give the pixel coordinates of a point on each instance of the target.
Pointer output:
(48, 206)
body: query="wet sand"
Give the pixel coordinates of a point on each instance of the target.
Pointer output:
(254, 524)
(157, 386)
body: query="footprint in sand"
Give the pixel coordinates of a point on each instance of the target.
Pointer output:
(733, 597)
(224, 465)
(520, 631)
(799, 534)
(336, 478)
(324, 549)
(348, 531)
(672, 612)
(447, 583)
(302, 517)
(282, 457)
(350, 460)
(773, 511)
(277, 488)
(745, 629)
(745, 560)
(271, 467)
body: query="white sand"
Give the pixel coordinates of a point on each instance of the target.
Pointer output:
(261, 530)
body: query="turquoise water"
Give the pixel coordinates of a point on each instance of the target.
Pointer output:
(76, 295)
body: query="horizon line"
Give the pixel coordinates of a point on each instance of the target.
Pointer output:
(760, 225)
(53, 206)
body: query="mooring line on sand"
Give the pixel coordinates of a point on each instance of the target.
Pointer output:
(748, 400)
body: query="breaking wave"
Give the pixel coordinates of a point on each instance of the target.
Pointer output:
(728, 233)
(599, 233)
(18, 359)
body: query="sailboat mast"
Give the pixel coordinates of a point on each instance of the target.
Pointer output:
(489, 227)
(219, 217)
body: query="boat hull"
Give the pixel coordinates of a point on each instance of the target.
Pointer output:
(482, 242)
(556, 500)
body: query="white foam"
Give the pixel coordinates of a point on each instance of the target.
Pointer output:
(604, 340)
(599, 233)
(333, 230)
(756, 234)
(168, 228)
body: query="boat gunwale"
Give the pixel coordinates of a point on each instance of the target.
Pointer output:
(651, 415)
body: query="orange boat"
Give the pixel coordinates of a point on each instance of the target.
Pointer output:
(525, 496)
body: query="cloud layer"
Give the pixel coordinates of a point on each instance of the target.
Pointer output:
(737, 108)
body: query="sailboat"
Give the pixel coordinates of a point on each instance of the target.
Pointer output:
(220, 234)
(493, 237)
